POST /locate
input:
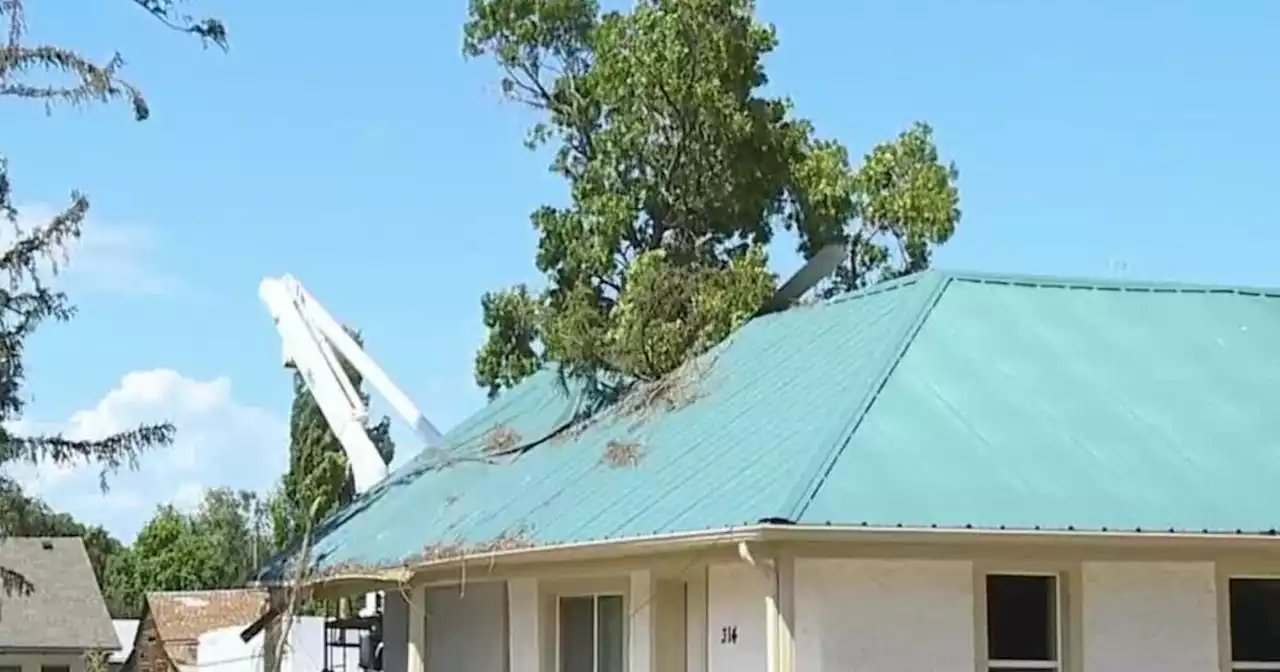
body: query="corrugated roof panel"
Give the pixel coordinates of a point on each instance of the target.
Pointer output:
(937, 400)
(770, 402)
(1026, 405)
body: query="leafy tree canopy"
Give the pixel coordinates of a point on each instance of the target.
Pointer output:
(27, 300)
(217, 546)
(681, 169)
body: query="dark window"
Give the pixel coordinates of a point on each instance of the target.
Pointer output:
(591, 634)
(55, 668)
(1255, 622)
(1022, 622)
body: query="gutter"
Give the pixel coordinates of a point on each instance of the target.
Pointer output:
(578, 550)
(605, 548)
(781, 532)
(622, 547)
(937, 535)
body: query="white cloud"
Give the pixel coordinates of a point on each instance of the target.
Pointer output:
(188, 496)
(220, 442)
(109, 258)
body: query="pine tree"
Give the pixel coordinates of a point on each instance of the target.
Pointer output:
(33, 254)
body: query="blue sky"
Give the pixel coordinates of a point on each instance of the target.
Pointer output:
(357, 150)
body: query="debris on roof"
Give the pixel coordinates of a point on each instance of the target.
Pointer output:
(501, 439)
(621, 454)
(937, 400)
(672, 392)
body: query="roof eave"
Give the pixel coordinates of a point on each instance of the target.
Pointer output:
(867, 534)
(618, 548)
(601, 549)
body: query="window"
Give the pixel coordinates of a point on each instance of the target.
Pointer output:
(1255, 624)
(591, 633)
(55, 668)
(10, 668)
(1023, 623)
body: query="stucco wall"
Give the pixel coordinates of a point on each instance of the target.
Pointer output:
(864, 614)
(1149, 616)
(735, 606)
(31, 662)
(920, 615)
(466, 629)
(395, 631)
(884, 615)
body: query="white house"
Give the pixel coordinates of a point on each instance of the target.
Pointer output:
(944, 473)
(126, 631)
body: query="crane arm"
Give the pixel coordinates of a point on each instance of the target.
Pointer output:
(312, 342)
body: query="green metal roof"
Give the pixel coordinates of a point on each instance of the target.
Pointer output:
(941, 399)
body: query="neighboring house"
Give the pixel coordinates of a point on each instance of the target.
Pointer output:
(225, 650)
(172, 622)
(946, 473)
(63, 619)
(126, 631)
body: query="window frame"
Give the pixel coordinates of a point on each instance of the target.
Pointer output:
(1064, 618)
(1230, 664)
(595, 595)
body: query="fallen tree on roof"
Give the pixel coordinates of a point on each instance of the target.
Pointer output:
(681, 170)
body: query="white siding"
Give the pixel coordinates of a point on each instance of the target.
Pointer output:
(884, 615)
(1149, 616)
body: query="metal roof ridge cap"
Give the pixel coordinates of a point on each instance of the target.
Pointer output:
(1084, 282)
(884, 286)
(817, 472)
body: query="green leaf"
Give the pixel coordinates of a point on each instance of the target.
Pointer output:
(680, 170)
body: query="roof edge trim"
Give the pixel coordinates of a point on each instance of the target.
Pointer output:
(693, 541)
(1071, 282)
(621, 546)
(816, 474)
(885, 286)
(939, 535)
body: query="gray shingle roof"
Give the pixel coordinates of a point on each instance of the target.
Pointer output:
(65, 609)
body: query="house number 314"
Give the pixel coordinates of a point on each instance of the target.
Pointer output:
(729, 634)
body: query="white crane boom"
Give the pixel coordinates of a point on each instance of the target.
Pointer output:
(310, 337)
